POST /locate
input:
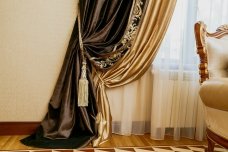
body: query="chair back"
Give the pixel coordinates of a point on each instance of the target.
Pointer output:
(212, 49)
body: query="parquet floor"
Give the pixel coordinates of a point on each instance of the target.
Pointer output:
(13, 142)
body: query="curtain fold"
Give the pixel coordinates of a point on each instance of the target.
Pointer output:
(135, 62)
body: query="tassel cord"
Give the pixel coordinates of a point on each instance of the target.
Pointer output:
(83, 92)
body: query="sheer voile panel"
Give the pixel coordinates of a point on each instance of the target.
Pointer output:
(176, 106)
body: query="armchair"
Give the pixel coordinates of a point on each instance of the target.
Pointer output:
(212, 49)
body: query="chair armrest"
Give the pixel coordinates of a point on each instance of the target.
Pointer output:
(214, 93)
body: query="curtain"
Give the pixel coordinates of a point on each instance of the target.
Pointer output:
(214, 14)
(102, 25)
(131, 106)
(176, 106)
(135, 62)
(105, 39)
(164, 101)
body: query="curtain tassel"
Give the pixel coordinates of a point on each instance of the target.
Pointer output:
(83, 88)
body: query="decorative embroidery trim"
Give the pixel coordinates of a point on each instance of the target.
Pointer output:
(133, 26)
(109, 61)
(125, 43)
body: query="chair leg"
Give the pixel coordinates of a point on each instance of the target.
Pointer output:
(211, 145)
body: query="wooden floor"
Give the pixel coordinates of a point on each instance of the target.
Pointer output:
(13, 142)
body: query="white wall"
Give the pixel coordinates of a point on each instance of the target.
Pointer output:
(34, 35)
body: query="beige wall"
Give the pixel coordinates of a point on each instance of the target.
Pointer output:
(34, 35)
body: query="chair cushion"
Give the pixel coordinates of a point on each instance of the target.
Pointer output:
(216, 121)
(217, 56)
(214, 93)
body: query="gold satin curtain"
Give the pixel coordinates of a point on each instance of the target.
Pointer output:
(135, 62)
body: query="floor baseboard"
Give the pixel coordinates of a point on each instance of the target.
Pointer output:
(18, 128)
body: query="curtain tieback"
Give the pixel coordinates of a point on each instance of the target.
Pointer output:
(99, 77)
(83, 82)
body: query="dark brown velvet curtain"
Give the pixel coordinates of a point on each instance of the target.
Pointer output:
(66, 125)
(103, 25)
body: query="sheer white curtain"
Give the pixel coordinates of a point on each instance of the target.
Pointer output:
(176, 106)
(131, 106)
(165, 100)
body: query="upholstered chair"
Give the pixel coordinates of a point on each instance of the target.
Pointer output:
(212, 49)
